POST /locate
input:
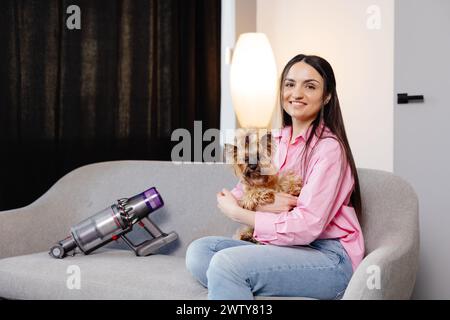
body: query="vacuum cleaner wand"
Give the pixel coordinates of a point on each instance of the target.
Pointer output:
(115, 222)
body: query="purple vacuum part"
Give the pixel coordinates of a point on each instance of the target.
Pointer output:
(152, 199)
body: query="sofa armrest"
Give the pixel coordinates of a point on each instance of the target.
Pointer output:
(13, 225)
(388, 272)
(38, 226)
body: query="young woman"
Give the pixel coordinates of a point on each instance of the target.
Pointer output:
(313, 243)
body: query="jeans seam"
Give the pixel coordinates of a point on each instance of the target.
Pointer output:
(254, 272)
(347, 278)
(293, 267)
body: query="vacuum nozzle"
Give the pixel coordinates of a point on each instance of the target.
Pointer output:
(62, 248)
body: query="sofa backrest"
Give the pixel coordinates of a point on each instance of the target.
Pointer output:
(189, 192)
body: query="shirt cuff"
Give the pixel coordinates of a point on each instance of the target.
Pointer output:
(265, 229)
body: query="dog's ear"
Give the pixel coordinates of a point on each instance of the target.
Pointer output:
(229, 153)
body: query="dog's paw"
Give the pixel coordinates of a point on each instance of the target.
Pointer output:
(267, 197)
(246, 234)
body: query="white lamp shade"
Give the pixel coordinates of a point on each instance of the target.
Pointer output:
(253, 80)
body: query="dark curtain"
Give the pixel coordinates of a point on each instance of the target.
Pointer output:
(113, 90)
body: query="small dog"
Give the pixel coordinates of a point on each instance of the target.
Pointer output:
(253, 166)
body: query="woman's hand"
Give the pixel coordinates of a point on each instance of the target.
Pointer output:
(283, 202)
(229, 206)
(227, 203)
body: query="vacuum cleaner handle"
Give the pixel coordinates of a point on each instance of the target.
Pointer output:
(150, 246)
(150, 227)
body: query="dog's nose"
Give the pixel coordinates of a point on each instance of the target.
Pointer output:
(252, 166)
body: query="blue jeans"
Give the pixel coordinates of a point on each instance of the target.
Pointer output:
(238, 270)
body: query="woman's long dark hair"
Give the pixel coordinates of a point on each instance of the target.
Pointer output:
(330, 115)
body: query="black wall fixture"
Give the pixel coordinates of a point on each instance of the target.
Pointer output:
(403, 98)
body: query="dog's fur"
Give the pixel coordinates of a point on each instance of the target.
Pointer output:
(259, 180)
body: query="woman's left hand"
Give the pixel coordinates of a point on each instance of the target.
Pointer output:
(227, 203)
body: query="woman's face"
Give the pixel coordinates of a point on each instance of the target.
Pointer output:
(303, 92)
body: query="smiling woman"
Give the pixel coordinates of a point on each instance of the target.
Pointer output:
(311, 249)
(303, 96)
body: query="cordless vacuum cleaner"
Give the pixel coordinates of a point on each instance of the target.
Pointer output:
(114, 222)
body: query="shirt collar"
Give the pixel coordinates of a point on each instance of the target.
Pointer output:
(304, 135)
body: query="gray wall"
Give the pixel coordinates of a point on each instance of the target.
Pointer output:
(421, 132)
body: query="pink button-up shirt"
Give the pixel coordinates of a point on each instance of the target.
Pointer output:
(323, 210)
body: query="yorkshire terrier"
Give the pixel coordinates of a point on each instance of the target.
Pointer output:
(251, 158)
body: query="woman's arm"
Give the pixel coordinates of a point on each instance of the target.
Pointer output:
(283, 202)
(244, 216)
(327, 186)
(228, 204)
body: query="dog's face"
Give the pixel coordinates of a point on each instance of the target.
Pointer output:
(251, 157)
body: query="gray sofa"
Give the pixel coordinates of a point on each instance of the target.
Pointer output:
(389, 222)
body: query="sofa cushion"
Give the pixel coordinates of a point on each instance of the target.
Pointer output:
(104, 274)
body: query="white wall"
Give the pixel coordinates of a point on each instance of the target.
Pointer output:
(227, 115)
(362, 59)
(238, 16)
